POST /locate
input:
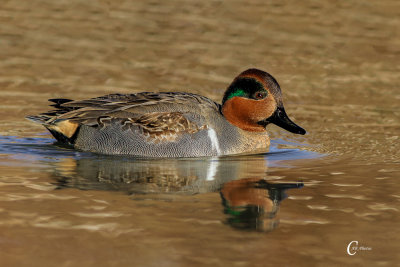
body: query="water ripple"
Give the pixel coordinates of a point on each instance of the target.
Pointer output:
(98, 214)
(358, 197)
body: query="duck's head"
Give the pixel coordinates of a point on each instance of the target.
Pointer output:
(254, 100)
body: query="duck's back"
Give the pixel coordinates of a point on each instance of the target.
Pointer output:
(143, 124)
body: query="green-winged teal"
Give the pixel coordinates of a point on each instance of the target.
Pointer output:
(173, 124)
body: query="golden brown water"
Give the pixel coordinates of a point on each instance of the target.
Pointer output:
(338, 66)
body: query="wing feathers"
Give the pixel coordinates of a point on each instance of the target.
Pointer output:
(160, 116)
(156, 126)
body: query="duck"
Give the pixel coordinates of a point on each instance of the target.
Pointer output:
(173, 124)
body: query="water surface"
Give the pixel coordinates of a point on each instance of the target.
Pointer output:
(300, 204)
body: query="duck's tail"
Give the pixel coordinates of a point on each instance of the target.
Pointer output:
(41, 119)
(62, 130)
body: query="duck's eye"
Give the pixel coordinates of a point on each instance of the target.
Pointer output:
(260, 95)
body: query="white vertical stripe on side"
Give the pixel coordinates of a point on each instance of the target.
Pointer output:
(214, 140)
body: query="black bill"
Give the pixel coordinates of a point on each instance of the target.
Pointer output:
(281, 119)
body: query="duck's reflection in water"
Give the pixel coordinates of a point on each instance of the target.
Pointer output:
(253, 204)
(250, 203)
(141, 176)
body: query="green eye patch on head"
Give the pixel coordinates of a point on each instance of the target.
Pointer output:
(243, 87)
(237, 92)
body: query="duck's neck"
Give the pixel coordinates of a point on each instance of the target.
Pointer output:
(237, 113)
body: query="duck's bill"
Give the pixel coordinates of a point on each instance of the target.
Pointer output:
(281, 119)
